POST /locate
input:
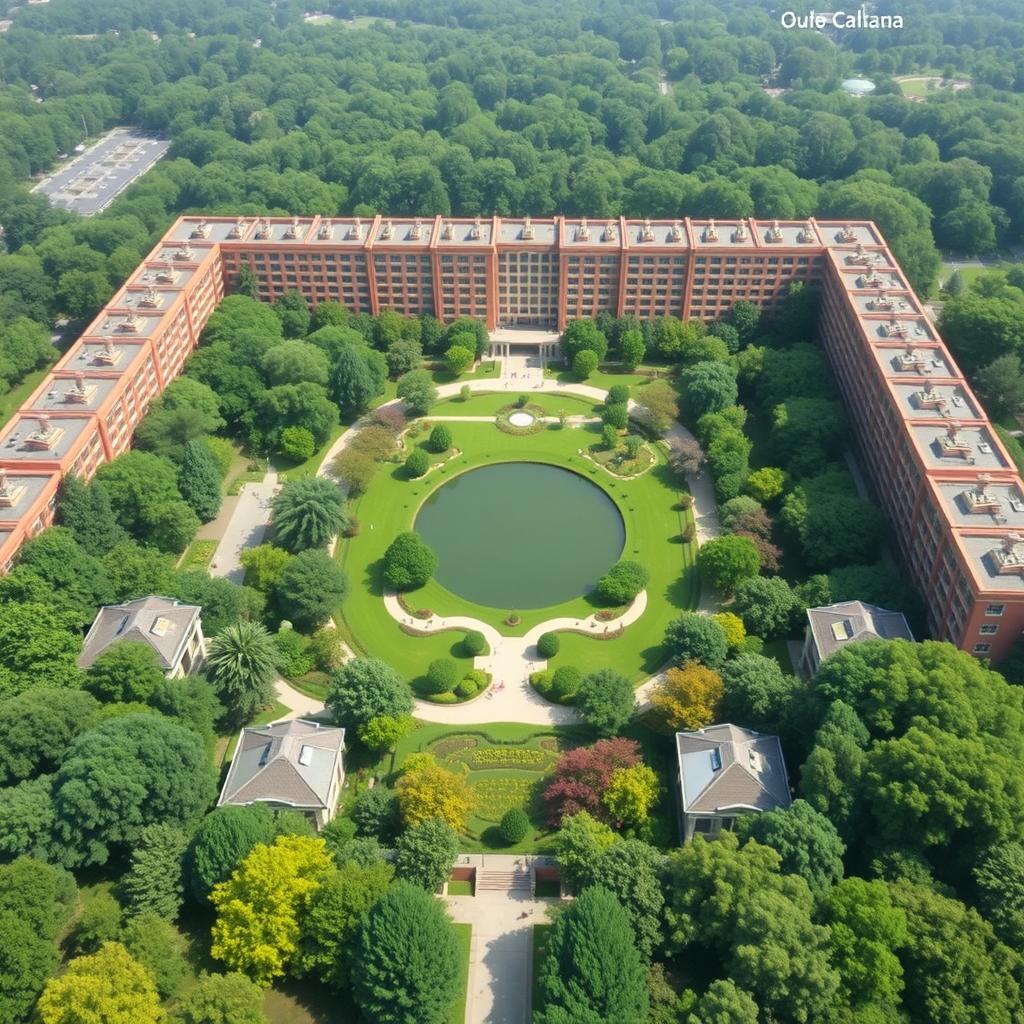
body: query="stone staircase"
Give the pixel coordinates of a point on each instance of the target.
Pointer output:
(516, 880)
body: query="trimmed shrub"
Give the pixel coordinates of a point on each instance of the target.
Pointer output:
(522, 401)
(466, 689)
(609, 437)
(584, 363)
(566, 682)
(622, 582)
(548, 645)
(616, 415)
(515, 825)
(474, 643)
(442, 675)
(440, 439)
(618, 394)
(541, 682)
(417, 462)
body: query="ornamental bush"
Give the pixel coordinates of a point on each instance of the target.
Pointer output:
(442, 675)
(515, 825)
(474, 643)
(609, 437)
(408, 562)
(440, 439)
(584, 363)
(617, 415)
(618, 394)
(622, 582)
(565, 682)
(548, 645)
(417, 462)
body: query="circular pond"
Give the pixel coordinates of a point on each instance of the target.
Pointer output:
(521, 534)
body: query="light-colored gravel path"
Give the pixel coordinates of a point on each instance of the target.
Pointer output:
(512, 664)
(245, 529)
(500, 953)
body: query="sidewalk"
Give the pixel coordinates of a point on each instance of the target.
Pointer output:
(245, 529)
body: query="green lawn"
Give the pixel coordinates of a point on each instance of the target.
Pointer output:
(463, 934)
(646, 504)
(484, 370)
(488, 404)
(460, 887)
(198, 555)
(288, 470)
(608, 375)
(541, 934)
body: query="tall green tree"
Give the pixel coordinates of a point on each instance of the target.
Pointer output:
(199, 480)
(242, 662)
(153, 884)
(126, 671)
(592, 969)
(307, 513)
(222, 841)
(86, 511)
(127, 772)
(406, 963)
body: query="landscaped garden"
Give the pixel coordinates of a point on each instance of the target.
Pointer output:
(647, 506)
(505, 766)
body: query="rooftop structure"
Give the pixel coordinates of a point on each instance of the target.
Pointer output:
(296, 764)
(835, 626)
(726, 771)
(914, 415)
(174, 631)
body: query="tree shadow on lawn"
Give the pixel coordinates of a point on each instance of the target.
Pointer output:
(374, 578)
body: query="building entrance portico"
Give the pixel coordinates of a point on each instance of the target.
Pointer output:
(524, 352)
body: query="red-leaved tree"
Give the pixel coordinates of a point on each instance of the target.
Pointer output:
(583, 774)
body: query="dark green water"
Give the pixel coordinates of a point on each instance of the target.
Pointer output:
(521, 534)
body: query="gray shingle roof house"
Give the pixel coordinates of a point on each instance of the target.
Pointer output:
(837, 625)
(174, 631)
(296, 764)
(726, 771)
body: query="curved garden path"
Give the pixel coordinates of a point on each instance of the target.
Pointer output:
(512, 659)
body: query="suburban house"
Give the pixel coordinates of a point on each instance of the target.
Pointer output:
(174, 631)
(726, 771)
(837, 625)
(295, 764)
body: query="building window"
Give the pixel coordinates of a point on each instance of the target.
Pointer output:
(982, 648)
(989, 630)
(702, 825)
(995, 609)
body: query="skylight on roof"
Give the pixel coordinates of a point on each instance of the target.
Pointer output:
(161, 626)
(841, 630)
(305, 754)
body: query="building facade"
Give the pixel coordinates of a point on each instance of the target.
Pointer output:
(932, 459)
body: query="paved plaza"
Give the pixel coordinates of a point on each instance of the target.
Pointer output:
(246, 528)
(92, 181)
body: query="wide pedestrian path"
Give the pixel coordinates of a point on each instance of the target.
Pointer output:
(246, 528)
(513, 659)
(500, 953)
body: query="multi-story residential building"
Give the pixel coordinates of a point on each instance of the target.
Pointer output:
(932, 459)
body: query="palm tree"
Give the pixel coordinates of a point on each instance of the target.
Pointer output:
(307, 514)
(242, 662)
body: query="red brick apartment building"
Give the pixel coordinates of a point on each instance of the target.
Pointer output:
(934, 462)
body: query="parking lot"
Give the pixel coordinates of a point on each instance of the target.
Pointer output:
(91, 181)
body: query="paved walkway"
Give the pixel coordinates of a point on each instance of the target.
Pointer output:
(245, 529)
(298, 704)
(518, 702)
(500, 953)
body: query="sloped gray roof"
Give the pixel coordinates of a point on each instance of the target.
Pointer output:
(289, 762)
(725, 767)
(854, 620)
(161, 622)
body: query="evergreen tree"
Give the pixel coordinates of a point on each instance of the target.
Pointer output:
(406, 962)
(87, 513)
(154, 883)
(592, 970)
(199, 480)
